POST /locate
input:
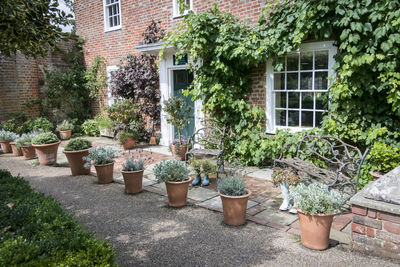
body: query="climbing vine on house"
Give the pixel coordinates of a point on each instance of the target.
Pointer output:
(96, 76)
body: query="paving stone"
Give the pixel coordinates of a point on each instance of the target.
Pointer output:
(273, 204)
(216, 201)
(160, 186)
(277, 216)
(117, 177)
(340, 236)
(201, 194)
(347, 229)
(256, 209)
(147, 182)
(265, 174)
(149, 176)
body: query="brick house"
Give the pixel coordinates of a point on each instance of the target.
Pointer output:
(291, 98)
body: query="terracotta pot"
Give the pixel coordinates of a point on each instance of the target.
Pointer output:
(65, 135)
(76, 162)
(16, 151)
(133, 181)
(105, 173)
(153, 141)
(129, 143)
(181, 155)
(234, 208)
(315, 230)
(177, 193)
(47, 153)
(28, 152)
(376, 175)
(5, 146)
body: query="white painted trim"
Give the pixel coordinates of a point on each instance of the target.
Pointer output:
(106, 28)
(110, 98)
(175, 9)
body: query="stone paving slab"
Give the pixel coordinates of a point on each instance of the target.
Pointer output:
(160, 186)
(201, 194)
(265, 174)
(217, 202)
(280, 217)
(147, 182)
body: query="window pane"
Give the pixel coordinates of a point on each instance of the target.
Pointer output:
(294, 100)
(307, 101)
(321, 80)
(321, 60)
(306, 61)
(116, 21)
(293, 118)
(306, 119)
(318, 118)
(280, 100)
(292, 81)
(114, 9)
(117, 9)
(280, 117)
(111, 22)
(293, 61)
(306, 81)
(279, 64)
(110, 11)
(279, 81)
(321, 101)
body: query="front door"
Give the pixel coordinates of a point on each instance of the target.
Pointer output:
(182, 79)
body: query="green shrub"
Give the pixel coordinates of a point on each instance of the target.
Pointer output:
(45, 138)
(99, 156)
(78, 144)
(7, 136)
(65, 126)
(208, 167)
(232, 186)
(25, 140)
(124, 111)
(123, 136)
(91, 128)
(103, 121)
(38, 124)
(133, 165)
(171, 170)
(384, 158)
(38, 232)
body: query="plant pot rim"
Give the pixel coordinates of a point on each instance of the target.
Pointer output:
(242, 196)
(75, 151)
(132, 171)
(65, 130)
(183, 182)
(44, 145)
(103, 164)
(12, 143)
(318, 214)
(9, 141)
(26, 146)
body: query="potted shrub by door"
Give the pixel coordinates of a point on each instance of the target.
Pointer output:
(75, 150)
(16, 150)
(132, 171)
(179, 148)
(234, 198)
(285, 178)
(103, 160)
(127, 139)
(316, 206)
(6, 137)
(65, 129)
(25, 143)
(175, 175)
(46, 147)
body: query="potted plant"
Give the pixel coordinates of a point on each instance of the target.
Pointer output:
(65, 129)
(25, 144)
(285, 178)
(179, 116)
(6, 137)
(196, 165)
(75, 150)
(316, 206)
(175, 175)
(127, 139)
(105, 125)
(103, 160)
(132, 172)
(46, 147)
(234, 196)
(207, 168)
(179, 148)
(16, 150)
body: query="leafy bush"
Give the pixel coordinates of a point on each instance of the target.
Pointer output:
(25, 140)
(99, 156)
(38, 124)
(38, 232)
(178, 114)
(77, 144)
(91, 128)
(7, 136)
(171, 170)
(133, 165)
(287, 175)
(232, 186)
(384, 158)
(123, 136)
(65, 125)
(316, 199)
(195, 164)
(45, 138)
(103, 121)
(207, 166)
(124, 111)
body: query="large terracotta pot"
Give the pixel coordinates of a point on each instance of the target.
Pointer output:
(5, 146)
(105, 173)
(16, 151)
(129, 143)
(315, 230)
(177, 193)
(65, 135)
(153, 141)
(76, 162)
(133, 181)
(234, 208)
(28, 152)
(47, 153)
(181, 155)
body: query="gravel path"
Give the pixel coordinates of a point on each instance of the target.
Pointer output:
(146, 232)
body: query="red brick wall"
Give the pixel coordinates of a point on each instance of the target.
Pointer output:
(376, 232)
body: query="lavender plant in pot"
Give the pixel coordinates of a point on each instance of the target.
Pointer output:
(132, 172)
(24, 142)
(6, 137)
(16, 150)
(285, 178)
(65, 129)
(103, 160)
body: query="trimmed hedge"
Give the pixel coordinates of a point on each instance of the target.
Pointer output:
(36, 231)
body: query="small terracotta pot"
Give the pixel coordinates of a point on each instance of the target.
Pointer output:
(105, 173)
(153, 141)
(16, 151)
(5, 146)
(177, 193)
(133, 181)
(376, 175)
(315, 230)
(181, 155)
(28, 152)
(65, 135)
(47, 153)
(76, 162)
(234, 208)
(129, 143)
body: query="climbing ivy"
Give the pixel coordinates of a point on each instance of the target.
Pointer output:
(96, 76)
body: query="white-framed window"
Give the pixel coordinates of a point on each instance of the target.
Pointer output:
(112, 15)
(110, 98)
(176, 11)
(297, 87)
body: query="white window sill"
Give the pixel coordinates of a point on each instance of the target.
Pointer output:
(291, 129)
(113, 29)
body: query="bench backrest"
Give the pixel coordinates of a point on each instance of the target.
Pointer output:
(208, 136)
